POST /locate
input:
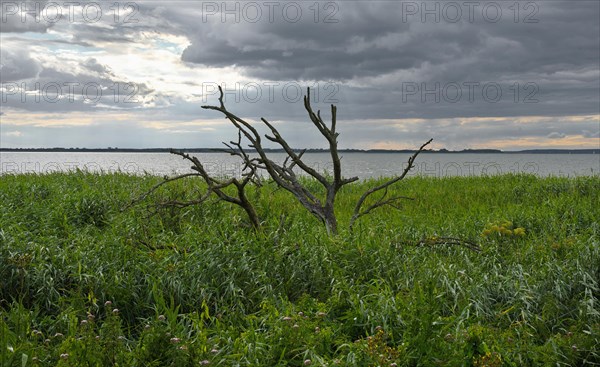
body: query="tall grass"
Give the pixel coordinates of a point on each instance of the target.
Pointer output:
(85, 283)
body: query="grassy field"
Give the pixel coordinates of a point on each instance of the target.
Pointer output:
(84, 283)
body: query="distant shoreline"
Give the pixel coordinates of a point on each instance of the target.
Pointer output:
(218, 150)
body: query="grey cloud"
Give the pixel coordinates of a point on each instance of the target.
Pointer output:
(387, 44)
(590, 134)
(17, 65)
(23, 16)
(15, 25)
(371, 46)
(93, 65)
(91, 86)
(555, 135)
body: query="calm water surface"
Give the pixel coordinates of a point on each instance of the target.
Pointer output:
(362, 165)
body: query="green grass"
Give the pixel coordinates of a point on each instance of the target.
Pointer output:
(198, 287)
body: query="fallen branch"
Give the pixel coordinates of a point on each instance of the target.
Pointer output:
(431, 241)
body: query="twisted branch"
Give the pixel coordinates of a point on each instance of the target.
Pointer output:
(383, 200)
(283, 174)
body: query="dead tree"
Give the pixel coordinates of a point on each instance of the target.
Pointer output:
(321, 205)
(285, 177)
(283, 174)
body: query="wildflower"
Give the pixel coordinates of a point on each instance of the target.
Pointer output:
(115, 311)
(317, 329)
(214, 351)
(204, 362)
(519, 231)
(64, 356)
(58, 335)
(90, 317)
(183, 347)
(321, 314)
(287, 318)
(378, 327)
(295, 326)
(300, 313)
(147, 327)
(161, 317)
(83, 322)
(107, 303)
(175, 340)
(574, 347)
(307, 362)
(393, 364)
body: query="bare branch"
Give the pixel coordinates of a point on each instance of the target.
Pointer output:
(431, 241)
(285, 177)
(215, 185)
(155, 187)
(390, 201)
(183, 204)
(358, 212)
(283, 174)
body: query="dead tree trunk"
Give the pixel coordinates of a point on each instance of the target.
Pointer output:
(284, 175)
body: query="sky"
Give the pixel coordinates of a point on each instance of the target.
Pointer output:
(507, 75)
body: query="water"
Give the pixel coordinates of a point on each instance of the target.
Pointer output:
(363, 165)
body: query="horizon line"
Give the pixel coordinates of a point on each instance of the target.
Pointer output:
(308, 150)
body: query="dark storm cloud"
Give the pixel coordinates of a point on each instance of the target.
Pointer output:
(372, 50)
(371, 38)
(304, 50)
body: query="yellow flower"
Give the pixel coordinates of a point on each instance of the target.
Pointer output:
(519, 231)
